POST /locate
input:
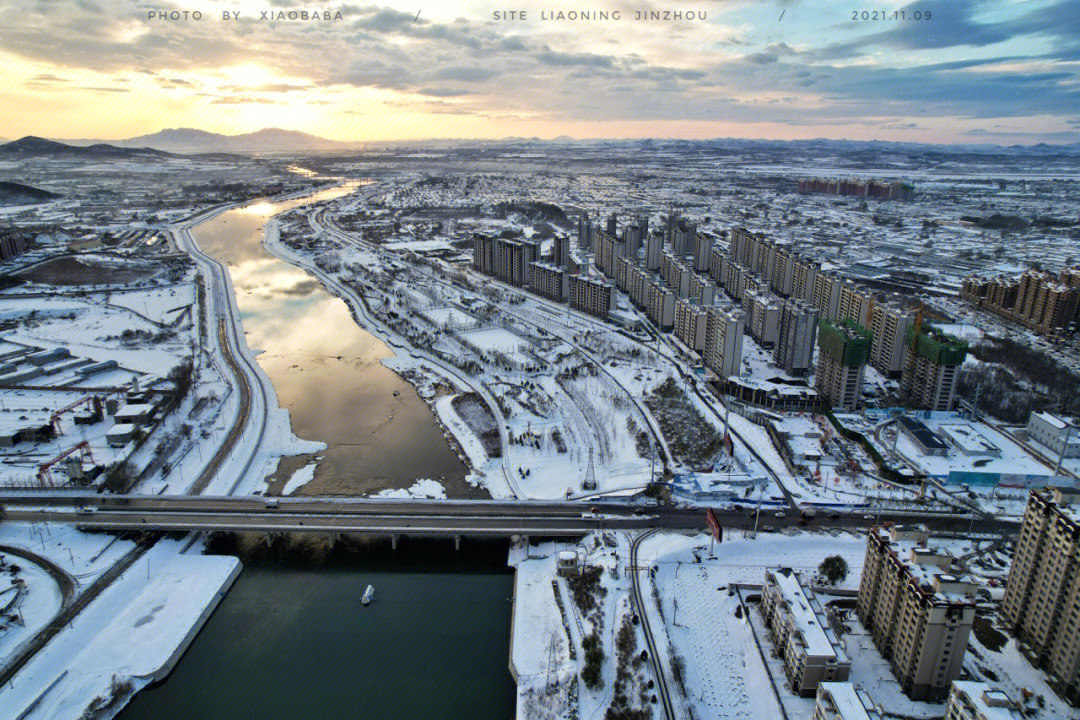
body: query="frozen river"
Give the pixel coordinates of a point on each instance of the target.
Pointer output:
(326, 370)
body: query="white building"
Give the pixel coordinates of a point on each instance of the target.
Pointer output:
(841, 701)
(1054, 433)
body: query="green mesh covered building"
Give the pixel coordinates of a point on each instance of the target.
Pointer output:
(843, 349)
(932, 367)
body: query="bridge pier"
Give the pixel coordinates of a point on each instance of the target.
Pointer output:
(331, 538)
(269, 539)
(393, 541)
(457, 542)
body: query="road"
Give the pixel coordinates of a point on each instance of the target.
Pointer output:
(64, 581)
(253, 400)
(654, 656)
(210, 471)
(487, 517)
(68, 613)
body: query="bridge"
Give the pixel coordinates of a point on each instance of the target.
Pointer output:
(334, 515)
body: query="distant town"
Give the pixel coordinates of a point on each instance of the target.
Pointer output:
(542, 429)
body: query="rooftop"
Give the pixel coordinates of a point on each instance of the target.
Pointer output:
(808, 615)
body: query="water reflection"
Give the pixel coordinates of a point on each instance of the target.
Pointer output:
(326, 369)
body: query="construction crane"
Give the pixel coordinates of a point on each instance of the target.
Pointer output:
(92, 401)
(45, 476)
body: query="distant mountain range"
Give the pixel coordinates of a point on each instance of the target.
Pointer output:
(269, 141)
(35, 147)
(191, 141)
(18, 194)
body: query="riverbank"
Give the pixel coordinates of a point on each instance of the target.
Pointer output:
(130, 636)
(421, 373)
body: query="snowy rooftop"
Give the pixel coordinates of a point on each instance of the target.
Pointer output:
(850, 704)
(930, 567)
(988, 702)
(808, 616)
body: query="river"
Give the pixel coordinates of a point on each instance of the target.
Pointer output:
(291, 639)
(326, 370)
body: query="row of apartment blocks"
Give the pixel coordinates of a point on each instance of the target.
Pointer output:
(919, 617)
(894, 190)
(1042, 594)
(1041, 301)
(517, 262)
(765, 278)
(967, 700)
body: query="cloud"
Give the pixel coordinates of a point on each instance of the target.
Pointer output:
(443, 92)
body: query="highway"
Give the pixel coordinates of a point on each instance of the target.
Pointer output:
(445, 517)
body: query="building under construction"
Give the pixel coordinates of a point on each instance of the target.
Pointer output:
(932, 367)
(843, 349)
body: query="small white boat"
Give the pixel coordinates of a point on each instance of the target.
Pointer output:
(369, 595)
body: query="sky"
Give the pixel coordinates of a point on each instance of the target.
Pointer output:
(966, 71)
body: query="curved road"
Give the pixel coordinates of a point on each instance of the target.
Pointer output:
(223, 451)
(654, 656)
(64, 581)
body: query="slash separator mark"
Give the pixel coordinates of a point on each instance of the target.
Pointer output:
(781, 14)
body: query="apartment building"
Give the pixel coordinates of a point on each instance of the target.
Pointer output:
(804, 277)
(932, 367)
(702, 289)
(889, 323)
(979, 701)
(682, 238)
(690, 324)
(783, 272)
(654, 251)
(825, 295)
(764, 313)
(841, 701)
(506, 259)
(742, 242)
(735, 280)
(586, 234)
(718, 261)
(11, 244)
(854, 304)
(675, 273)
(796, 336)
(723, 342)
(1037, 299)
(810, 649)
(917, 612)
(1042, 594)
(703, 245)
(660, 304)
(560, 251)
(590, 296)
(549, 281)
(633, 237)
(608, 247)
(842, 352)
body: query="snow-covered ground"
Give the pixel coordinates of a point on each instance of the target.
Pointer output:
(128, 637)
(27, 609)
